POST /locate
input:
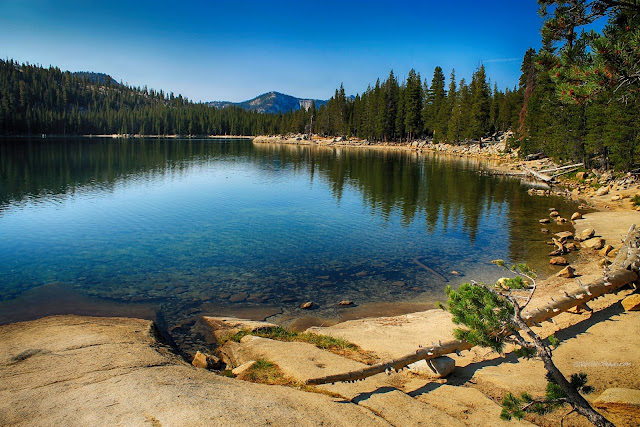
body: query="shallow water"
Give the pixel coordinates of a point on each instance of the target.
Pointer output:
(186, 227)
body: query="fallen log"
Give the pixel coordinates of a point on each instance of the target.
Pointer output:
(540, 176)
(626, 265)
(585, 293)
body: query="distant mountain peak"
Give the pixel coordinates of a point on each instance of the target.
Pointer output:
(271, 102)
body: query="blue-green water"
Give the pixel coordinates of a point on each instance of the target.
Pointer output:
(192, 227)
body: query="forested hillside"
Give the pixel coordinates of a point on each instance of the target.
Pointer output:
(578, 98)
(35, 100)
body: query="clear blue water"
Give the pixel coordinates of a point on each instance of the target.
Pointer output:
(190, 227)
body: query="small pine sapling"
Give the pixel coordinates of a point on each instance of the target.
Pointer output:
(493, 317)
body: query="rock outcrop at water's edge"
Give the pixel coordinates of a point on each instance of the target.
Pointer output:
(80, 371)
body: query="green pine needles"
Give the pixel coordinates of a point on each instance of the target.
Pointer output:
(555, 398)
(491, 316)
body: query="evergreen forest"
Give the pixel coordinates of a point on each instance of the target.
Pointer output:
(578, 99)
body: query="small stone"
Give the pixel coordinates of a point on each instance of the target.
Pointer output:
(576, 215)
(603, 191)
(544, 221)
(563, 236)
(345, 303)
(455, 273)
(604, 262)
(582, 175)
(561, 220)
(205, 361)
(605, 251)
(571, 246)
(587, 233)
(243, 368)
(567, 272)
(442, 366)
(398, 283)
(594, 243)
(554, 214)
(558, 261)
(544, 230)
(632, 302)
(615, 198)
(307, 305)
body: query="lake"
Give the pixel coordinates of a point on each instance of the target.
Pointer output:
(171, 229)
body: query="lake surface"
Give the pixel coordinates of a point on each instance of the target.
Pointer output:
(172, 229)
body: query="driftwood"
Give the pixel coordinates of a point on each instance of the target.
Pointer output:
(611, 281)
(540, 176)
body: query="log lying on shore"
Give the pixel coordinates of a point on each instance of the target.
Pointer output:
(628, 258)
(586, 293)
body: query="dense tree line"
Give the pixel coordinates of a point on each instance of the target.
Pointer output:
(394, 111)
(578, 98)
(35, 100)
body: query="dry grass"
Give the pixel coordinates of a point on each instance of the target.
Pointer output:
(266, 372)
(335, 345)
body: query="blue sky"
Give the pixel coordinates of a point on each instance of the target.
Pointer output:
(235, 50)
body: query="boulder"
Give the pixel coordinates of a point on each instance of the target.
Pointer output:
(582, 175)
(571, 246)
(544, 221)
(563, 236)
(585, 234)
(206, 361)
(576, 215)
(632, 302)
(567, 272)
(615, 198)
(605, 250)
(345, 303)
(594, 243)
(558, 261)
(621, 400)
(442, 366)
(243, 368)
(603, 191)
(554, 214)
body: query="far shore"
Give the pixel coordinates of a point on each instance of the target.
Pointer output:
(127, 135)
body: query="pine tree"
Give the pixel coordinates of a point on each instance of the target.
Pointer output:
(413, 105)
(435, 101)
(480, 104)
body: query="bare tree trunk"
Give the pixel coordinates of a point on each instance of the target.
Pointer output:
(574, 398)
